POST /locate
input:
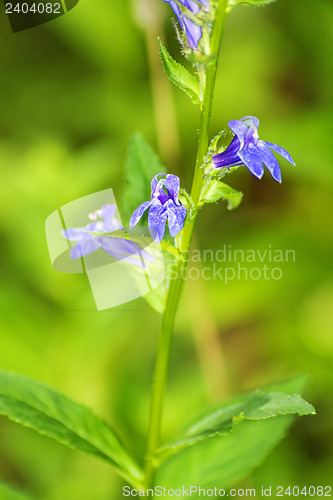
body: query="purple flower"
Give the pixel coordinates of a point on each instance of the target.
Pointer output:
(193, 31)
(120, 248)
(164, 205)
(247, 149)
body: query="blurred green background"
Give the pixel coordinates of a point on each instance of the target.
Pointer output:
(72, 93)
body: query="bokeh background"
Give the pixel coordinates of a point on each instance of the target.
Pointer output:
(73, 91)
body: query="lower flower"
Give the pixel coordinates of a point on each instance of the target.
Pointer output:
(164, 206)
(88, 240)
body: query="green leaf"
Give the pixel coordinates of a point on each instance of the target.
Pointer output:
(224, 460)
(250, 2)
(7, 493)
(216, 190)
(141, 166)
(255, 406)
(221, 457)
(50, 413)
(180, 76)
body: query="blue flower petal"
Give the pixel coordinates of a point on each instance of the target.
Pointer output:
(253, 152)
(138, 213)
(95, 227)
(232, 149)
(248, 119)
(229, 157)
(118, 247)
(165, 193)
(75, 233)
(193, 33)
(251, 136)
(172, 184)
(108, 213)
(157, 217)
(177, 11)
(192, 6)
(85, 247)
(125, 250)
(270, 161)
(176, 216)
(252, 160)
(239, 129)
(280, 151)
(157, 188)
(155, 181)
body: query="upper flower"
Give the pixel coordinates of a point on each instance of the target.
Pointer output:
(193, 31)
(246, 148)
(87, 242)
(164, 205)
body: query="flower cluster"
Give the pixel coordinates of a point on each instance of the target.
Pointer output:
(164, 206)
(192, 30)
(247, 149)
(88, 240)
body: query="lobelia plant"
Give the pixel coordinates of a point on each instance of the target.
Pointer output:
(226, 443)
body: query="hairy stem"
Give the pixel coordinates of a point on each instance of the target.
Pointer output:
(174, 293)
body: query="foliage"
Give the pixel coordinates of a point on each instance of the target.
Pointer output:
(226, 444)
(180, 76)
(52, 414)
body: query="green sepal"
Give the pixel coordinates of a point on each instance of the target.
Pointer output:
(186, 200)
(216, 190)
(198, 58)
(180, 76)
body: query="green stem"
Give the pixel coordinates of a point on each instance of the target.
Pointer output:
(208, 99)
(161, 372)
(174, 293)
